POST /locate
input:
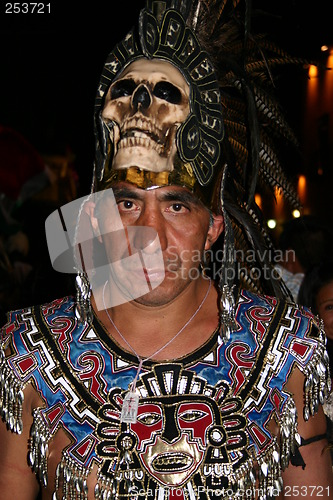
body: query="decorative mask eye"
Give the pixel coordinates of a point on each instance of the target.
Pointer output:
(123, 88)
(168, 92)
(192, 415)
(149, 418)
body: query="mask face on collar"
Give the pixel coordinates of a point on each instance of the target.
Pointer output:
(144, 108)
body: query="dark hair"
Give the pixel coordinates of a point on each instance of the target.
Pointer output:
(313, 281)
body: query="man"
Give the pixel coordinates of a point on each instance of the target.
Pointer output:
(304, 243)
(162, 384)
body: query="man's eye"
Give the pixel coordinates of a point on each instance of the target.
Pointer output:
(126, 205)
(178, 207)
(122, 88)
(167, 92)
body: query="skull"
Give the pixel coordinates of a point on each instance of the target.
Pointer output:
(145, 106)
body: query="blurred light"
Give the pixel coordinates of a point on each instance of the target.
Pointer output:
(278, 194)
(320, 171)
(324, 48)
(296, 214)
(258, 200)
(301, 188)
(313, 71)
(271, 223)
(279, 203)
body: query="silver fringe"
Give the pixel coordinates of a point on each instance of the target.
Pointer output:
(83, 311)
(11, 397)
(290, 439)
(108, 488)
(39, 447)
(318, 384)
(265, 476)
(71, 478)
(227, 313)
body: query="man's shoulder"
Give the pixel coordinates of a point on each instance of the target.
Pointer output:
(286, 332)
(21, 320)
(284, 311)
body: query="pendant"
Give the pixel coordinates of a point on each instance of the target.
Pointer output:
(130, 408)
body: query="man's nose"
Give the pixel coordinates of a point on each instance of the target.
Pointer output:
(149, 234)
(141, 98)
(145, 239)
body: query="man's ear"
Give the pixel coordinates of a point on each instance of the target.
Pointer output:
(216, 227)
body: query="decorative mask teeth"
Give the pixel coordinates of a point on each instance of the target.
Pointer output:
(172, 462)
(143, 124)
(145, 142)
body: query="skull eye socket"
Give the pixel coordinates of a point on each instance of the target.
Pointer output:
(168, 92)
(122, 88)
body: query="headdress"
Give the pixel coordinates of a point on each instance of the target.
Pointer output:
(228, 144)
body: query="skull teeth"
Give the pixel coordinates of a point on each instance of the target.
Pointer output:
(145, 142)
(143, 125)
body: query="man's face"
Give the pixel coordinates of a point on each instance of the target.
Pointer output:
(169, 222)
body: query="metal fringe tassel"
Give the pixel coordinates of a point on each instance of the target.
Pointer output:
(72, 479)
(124, 478)
(290, 439)
(317, 385)
(106, 489)
(83, 310)
(227, 313)
(244, 480)
(39, 447)
(266, 477)
(11, 397)
(270, 479)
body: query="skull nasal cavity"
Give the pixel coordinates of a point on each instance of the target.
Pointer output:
(141, 97)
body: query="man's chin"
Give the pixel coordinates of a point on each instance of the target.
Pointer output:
(163, 294)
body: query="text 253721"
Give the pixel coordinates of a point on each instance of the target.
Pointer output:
(27, 8)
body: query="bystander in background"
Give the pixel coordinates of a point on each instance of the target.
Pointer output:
(304, 243)
(316, 292)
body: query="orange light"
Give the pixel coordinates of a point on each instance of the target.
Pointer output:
(301, 188)
(278, 209)
(258, 200)
(313, 71)
(278, 196)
